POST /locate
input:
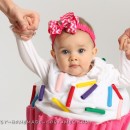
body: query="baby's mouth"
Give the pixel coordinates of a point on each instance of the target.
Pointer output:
(74, 66)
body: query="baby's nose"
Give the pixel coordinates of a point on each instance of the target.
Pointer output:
(73, 58)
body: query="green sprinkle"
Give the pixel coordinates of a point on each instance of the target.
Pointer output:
(96, 110)
(104, 59)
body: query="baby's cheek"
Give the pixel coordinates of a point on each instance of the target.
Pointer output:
(62, 65)
(86, 61)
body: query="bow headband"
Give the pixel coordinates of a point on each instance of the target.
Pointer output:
(70, 23)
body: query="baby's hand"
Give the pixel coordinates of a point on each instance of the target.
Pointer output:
(124, 44)
(27, 33)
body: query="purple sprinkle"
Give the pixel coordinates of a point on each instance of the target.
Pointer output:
(42, 89)
(88, 92)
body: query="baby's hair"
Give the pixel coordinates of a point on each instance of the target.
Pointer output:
(84, 22)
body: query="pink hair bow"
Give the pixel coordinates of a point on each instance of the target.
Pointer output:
(68, 22)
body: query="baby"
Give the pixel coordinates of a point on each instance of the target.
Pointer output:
(78, 85)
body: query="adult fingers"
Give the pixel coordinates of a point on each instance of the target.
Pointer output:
(21, 22)
(35, 21)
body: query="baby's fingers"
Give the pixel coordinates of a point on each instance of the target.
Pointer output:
(127, 47)
(127, 32)
(127, 54)
(25, 32)
(26, 38)
(122, 42)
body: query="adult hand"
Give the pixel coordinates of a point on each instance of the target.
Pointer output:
(20, 18)
(25, 22)
(124, 42)
(17, 16)
(25, 34)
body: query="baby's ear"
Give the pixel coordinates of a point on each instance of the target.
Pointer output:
(94, 51)
(53, 54)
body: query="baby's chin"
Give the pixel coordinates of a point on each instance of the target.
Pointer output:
(77, 74)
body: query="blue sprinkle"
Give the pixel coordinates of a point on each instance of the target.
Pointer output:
(109, 99)
(34, 100)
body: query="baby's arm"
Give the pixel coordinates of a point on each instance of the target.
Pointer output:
(124, 46)
(31, 59)
(124, 71)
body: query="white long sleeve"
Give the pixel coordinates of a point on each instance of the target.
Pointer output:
(31, 59)
(124, 70)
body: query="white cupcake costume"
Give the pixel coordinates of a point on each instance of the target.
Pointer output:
(104, 74)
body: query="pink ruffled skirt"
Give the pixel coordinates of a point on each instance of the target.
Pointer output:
(37, 120)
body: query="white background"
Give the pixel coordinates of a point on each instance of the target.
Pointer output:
(109, 19)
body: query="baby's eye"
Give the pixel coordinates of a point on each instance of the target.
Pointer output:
(65, 51)
(81, 50)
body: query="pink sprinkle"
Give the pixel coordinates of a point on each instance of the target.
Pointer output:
(59, 81)
(119, 109)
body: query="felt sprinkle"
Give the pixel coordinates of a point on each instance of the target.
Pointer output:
(104, 59)
(41, 94)
(84, 84)
(109, 98)
(59, 82)
(33, 93)
(60, 105)
(119, 109)
(34, 100)
(70, 95)
(117, 92)
(96, 110)
(89, 91)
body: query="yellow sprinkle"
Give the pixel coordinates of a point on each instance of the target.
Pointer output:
(59, 104)
(84, 84)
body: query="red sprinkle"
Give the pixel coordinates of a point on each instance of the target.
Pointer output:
(33, 93)
(69, 99)
(117, 92)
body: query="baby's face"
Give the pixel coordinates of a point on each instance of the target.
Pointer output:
(74, 52)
